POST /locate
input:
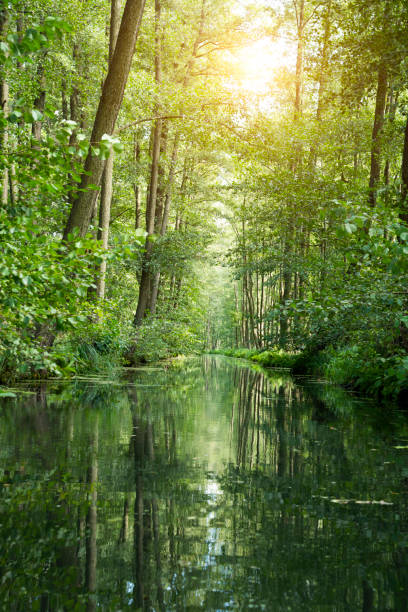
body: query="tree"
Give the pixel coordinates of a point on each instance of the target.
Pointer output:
(106, 115)
(107, 177)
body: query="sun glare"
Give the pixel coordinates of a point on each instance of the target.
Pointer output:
(256, 65)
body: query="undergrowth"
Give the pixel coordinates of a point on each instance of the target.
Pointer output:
(355, 367)
(268, 359)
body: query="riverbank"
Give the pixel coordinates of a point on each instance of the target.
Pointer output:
(350, 367)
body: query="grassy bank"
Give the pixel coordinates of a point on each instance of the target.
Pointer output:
(268, 359)
(351, 367)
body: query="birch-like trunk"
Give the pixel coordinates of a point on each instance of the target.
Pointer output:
(107, 177)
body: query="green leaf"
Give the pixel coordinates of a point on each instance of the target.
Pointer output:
(350, 228)
(36, 114)
(14, 116)
(375, 231)
(117, 147)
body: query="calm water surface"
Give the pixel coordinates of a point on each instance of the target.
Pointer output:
(207, 485)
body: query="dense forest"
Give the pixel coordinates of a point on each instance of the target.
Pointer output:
(183, 182)
(225, 175)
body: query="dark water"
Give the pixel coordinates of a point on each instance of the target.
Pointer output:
(205, 486)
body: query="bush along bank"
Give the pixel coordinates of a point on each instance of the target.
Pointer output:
(353, 367)
(268, 359)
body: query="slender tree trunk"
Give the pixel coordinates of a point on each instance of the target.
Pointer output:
(39, 102)
(404, 176)
(160, 179)
(236, 322)
(393, 103)
(106, 115)
(104, 221)
(286, 287)
(170, 182)
(324, 62)
(4, 100)
(320, 102)
(381, 98)
(251, 310)
(262, 310)
(146, 277)
(136, 186)
(158, 221)
(107, 177)
(299, 60)
(322, 83)
(124, 529)
(145, 280)
(74, 98)
(286, 276)
(64, 101)
(165, 219)
(163, 211)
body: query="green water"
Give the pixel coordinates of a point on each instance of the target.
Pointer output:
(207, 485)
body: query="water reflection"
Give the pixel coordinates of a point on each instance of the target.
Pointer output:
(208, 485)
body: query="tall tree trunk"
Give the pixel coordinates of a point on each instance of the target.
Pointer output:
(106, 115)
(380, 101)
(161, 188)
(136, 186)
(392, 109)
(299, 59)
(145, 280)
(324, 62)
(170, 182)
(404, 177)
(286, 287)
(165, 218)
(322, 83)
(286, 277)
(74, 98)
(39, 102)
(4, 100)
(107, 177)
(163, 211)
(64, 101)
(146, 277)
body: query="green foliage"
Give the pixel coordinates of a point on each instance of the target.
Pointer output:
(267, 359)
(316, 265)
(160, 339)
(94, 347)
(362, 368)
(39, 539)
(278, 359)
(33, 40)
(45, 286)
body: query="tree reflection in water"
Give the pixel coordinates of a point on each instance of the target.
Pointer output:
(210, 485)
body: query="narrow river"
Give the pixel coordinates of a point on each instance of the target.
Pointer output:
(205, 485)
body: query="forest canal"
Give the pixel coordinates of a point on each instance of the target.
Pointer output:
(207, 485)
